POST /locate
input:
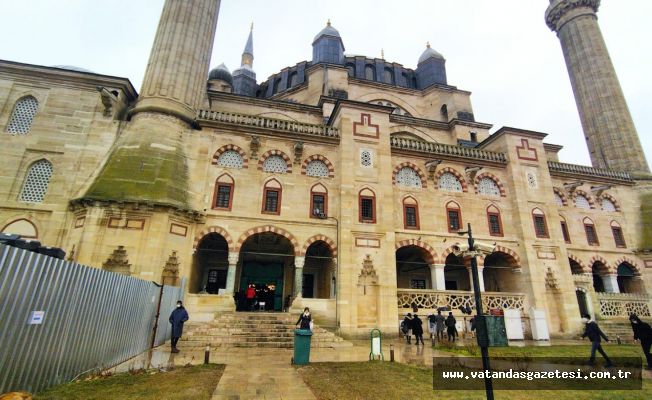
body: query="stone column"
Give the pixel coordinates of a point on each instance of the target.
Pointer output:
(333, 278)
(610, 282)
(437, 278)
(230, 275)
(299, 261)
(608, 126)
(480, 277)
(175, 78)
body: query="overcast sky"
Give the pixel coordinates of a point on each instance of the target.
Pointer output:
(501, 50)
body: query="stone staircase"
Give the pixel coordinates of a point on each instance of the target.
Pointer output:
(617, 327)
(252, 329)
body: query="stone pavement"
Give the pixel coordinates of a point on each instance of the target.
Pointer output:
(266, 373)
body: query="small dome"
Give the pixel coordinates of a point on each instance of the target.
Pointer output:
(222, 73)
(429, 53)
(327, 31)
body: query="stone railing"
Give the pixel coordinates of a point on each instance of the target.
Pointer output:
(447, 150)
(554, 166)
(269, 123)
(432, 299)
(623, 304)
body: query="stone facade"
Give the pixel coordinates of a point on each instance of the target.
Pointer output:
(345, 194)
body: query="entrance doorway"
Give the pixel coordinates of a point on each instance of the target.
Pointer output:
(267, 263)
(210, 265)
(581, 302)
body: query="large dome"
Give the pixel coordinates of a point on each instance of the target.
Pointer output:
(222, 73)
(429, 52)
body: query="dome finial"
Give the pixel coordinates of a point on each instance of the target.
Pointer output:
(428, 44)
(382, 53)
(328, 23)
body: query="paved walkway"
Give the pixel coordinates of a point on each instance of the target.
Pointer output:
(261, 373)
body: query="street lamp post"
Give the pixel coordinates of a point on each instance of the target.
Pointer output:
(480, 323)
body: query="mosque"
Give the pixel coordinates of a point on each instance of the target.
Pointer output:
(340, 183)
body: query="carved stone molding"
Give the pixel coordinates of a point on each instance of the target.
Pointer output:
(170, 275)
(557, 10)
(118, 262)
(368, 274)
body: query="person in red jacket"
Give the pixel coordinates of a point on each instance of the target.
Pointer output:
(250, 295)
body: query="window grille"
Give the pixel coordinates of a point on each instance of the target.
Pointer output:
(36, 182)
(591, 236)
(367, 209)
(618, 236)
(454, 223)
(317, 168)
(276, 164)
(365, 158)
(564, 232)
(449, 182)
(230, 159)
(488, 186)
(559, 200)
(223, 196)
(23, 115)
(540, 226)
(411, 216)
(608, 205)
(494, 225)
(318, 205)
(271, 201)
(582, 202)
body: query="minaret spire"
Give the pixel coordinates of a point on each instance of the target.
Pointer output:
(248, 53)
(244, 78)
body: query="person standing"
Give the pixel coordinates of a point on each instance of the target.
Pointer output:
(450, 327)
(305, 320)
(593, 332)
(177, 318)
(417, 329)
(250, 295)
(406, 327)
(642, 332)
(431, 325)
(440, 325)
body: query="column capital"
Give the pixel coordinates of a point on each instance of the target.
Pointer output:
(434, 266)
(299, 262)
(559, 9)
(233, 258)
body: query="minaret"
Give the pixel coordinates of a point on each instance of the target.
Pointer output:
(175, 79)
(244, 78)
(608, 127)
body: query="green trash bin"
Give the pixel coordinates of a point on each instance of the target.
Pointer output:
(301, 346)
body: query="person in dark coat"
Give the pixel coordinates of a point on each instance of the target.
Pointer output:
(595, 335)
(642, 332)
(417, 329)
(440, 323)
(406, 327)
(305, 319)
(451, 330)
(177, 318)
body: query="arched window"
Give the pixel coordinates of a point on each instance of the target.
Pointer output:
(272, 193)
(564, 229)
(223, 196)
(558, 200)
(230, 159)
(617, 232)
(277, 83)
(318, 201)
(351, 68)
(453, 216)
(36, 182)
(317, 168)
(367, 206)
(582, 202)
(293, 79)
(488, 186)
(607, 205)
(407, 176)
(23, 115)
(410, 213)
(449, 182)
(275, 163)
(540, 225)
(591, 235)
(388, 76)
(443, 111)
(494, 221)
(370, 72)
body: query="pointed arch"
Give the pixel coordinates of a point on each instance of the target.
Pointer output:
(268, 228)
(432, 259)
(270, 153)
(318, 157)
(600, 259)
(589, 198)
(511, 253)
(607, 196)
(213, 229)
(562, 196)
(272, 196)
(579, 262)
(21, 226)
(422, 176)
(494, 178)
(453, 171)
(632, 263)
(232, 147)
(22, 115)
(319, 237)
(37, 180)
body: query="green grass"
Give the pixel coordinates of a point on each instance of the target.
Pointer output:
(384, 380)
(580, 351)
(193, 382)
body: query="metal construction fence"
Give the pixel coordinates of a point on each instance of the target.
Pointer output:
(60, 319)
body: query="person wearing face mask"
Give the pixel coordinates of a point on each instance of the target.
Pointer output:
(177, 318)
(642, 332)
(305, 320)
(593, 332)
